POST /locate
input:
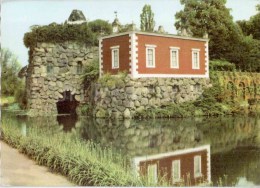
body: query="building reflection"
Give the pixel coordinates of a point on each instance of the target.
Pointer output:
(186, 167)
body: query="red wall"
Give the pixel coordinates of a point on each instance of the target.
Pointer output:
(123, 42)
(164, 165)
(162, 55)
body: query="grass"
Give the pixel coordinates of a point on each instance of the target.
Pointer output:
(84, 163)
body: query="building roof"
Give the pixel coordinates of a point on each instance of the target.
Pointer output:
(156, 34)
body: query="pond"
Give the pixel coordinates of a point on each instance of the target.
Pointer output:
(223, 150)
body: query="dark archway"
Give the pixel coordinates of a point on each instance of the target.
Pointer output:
(67, 104)
(231, 90)
(242, 91)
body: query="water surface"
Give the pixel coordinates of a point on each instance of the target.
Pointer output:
(234, 142)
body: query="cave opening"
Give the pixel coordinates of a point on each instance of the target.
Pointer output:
(67, 104)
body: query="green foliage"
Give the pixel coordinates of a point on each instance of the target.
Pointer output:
(126, 27)
(91, 71)
(85, 109)
(20, 96)
(221, 65)
(214, 101)
(112, 81)
(147, 19)
(9, 77)
(100, 26)
(58, 33)
(83, 162)
(227, 41)
(252, 26)
(248, 54)
(5, 101)
(209, 104)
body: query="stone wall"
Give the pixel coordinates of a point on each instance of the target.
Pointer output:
(53, 69)
(122, 97)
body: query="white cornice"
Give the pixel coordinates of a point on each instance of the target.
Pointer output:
(155, 34)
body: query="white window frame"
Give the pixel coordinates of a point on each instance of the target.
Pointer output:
(150, 47)
(153, 178)
(198, 58)
(199, 174)
(113, 50)
(174, 179)
(174, 49)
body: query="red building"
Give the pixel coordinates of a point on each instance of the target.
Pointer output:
(144, 54)
(182, 167)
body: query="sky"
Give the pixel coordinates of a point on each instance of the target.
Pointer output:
(18, 15)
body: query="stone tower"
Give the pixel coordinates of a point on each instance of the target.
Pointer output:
(54, 76)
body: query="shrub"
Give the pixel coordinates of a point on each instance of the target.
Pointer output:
(20, 96)
(91, 72)
(221, 65)
(59, 33)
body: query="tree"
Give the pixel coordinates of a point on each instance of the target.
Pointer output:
(147, 19)
(100, 26)
(252, 26)
(227, 41)
(211, 17)
(10, 68)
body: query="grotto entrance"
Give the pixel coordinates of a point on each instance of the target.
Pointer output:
(67, 104)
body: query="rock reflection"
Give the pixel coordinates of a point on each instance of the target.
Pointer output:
(137, 137)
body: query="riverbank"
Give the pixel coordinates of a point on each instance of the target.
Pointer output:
(84, 163)
(19, 170)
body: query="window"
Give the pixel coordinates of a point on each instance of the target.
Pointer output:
(197, 166)
(152, 173)
(195, 58)
(150, 56)
(174, 57)
(49, 68)
(176, 170)
(79, 67)
(115, 57)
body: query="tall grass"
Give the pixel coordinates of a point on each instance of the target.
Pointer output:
(83, 162)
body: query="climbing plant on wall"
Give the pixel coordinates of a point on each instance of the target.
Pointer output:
(59, 33)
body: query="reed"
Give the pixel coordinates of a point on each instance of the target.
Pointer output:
(83, 162)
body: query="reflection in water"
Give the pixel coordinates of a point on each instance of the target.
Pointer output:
(181, 167)
(241, 165)
(136, 138)
(151, 137)
(234, 141)
(67, 121)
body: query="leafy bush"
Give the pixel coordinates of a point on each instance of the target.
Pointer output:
(221, 65)
(100, 26)
(91, 71)
(59, 33)
(10, 68)
(20, 96)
